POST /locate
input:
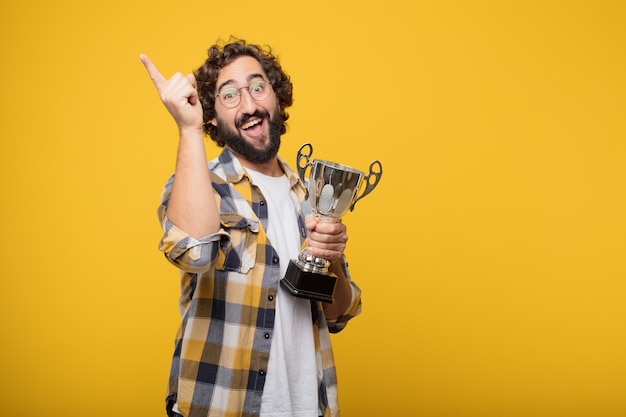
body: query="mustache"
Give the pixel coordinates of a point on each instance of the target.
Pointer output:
(261, 114)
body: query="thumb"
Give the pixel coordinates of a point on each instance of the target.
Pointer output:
(192, 80)
(193, 99)
(310, 222)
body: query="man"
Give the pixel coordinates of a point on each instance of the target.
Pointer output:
(245, 347)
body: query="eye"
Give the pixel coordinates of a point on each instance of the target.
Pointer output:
(228, 93)
(257, 86)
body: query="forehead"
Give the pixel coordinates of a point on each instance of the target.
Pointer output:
(240, 71)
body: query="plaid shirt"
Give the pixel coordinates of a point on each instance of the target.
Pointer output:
(229, 282)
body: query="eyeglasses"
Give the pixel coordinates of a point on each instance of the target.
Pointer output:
(231, 96)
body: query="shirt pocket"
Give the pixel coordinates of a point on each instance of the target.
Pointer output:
(237, 251)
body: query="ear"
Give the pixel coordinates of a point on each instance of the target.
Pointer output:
(213, 121)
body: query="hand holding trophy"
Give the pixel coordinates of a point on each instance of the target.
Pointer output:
(332, 190)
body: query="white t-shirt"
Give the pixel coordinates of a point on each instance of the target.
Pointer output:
(291, 382)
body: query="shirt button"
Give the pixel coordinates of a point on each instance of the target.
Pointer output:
(275, 260)
(261, 372)
(267, 335)
(270, 297)
(262, 202)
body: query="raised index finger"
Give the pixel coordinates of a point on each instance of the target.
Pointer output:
(156, 77)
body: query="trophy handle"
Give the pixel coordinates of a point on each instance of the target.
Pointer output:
(303, 160)
(369, 186)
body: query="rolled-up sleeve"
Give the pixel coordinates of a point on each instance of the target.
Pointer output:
(185, 252)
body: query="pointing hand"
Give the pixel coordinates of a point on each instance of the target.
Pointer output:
(178, 94)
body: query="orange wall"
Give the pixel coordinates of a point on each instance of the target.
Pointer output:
(491, 255)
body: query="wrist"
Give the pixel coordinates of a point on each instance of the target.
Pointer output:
(191, 131)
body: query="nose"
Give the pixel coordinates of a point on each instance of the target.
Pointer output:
(247, 103)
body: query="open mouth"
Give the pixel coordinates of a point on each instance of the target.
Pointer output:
(253, 124)
(250, 123)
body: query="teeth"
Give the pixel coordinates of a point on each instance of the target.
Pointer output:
(250, 123)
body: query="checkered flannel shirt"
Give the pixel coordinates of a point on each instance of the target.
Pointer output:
(229, 282)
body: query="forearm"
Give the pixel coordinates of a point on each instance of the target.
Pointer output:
(343, 293)
(192, 206)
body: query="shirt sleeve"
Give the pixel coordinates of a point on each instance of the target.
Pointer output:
(185, 252)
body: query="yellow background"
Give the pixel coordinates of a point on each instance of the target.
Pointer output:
(491, 255)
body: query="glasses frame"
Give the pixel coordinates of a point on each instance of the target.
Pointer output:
(247, 87)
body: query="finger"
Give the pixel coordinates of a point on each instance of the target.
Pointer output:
(328, 238)
(330, 228)
(156, 77)
(326, 251)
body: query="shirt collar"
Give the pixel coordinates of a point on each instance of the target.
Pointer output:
(235, 172)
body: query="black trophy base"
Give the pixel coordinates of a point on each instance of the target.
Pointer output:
(311, 285)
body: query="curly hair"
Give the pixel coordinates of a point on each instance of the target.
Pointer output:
(222, 54)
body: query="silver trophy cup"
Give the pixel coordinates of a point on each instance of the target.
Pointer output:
(332, 190)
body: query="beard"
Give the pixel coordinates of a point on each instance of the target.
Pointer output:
(235, 141)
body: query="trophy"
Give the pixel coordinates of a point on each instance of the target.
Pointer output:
(332, 190)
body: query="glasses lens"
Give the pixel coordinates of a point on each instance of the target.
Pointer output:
(259, 89)
(229, 96)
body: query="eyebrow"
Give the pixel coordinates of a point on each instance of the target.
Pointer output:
(249, 78)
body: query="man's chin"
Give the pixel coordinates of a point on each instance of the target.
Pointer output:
(257, 154)
(256, 141)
